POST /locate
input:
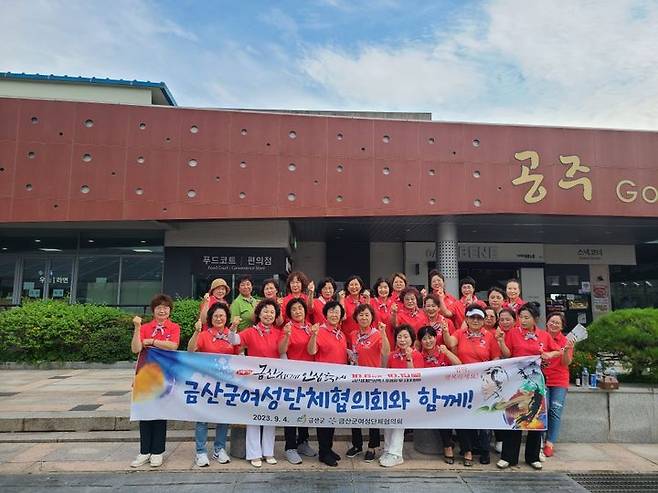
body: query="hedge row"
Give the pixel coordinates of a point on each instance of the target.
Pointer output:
(57, 331)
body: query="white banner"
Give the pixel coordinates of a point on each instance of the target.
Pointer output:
(504, 394)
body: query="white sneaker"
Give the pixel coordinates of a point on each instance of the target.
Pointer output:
(256, 462)
(536, 465)
(156, 460)
(305, 449)
(221, 456)
(293, 457)
(201, 460)
(502, 464)
(271, 460)
(542, 457)
(390, 460)
(140, 460)
(498, 447)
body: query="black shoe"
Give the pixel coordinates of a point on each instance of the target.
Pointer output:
(328, 460)
(353, 452)
(370, 456)
(334, 455)
(485, 459)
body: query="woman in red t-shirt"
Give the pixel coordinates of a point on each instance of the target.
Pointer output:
(214, 339)
(327, 292)
(160, 333)
(270, 291)
(496, 298)
(356, 295)
(525, 340)
(513, 292)
(556, 373)
(403, 356)
(398, 283)
(410, 314)
(450, 306)
(382, 303)
(261, 340)
(217, 293)
(440, 323)
(294, 346)
(490, 319)
(435, 356)
(467, 292)
(328, 344)
(474, 344)
(369, 346)
(298, 285)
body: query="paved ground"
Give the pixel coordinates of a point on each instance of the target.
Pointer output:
(37, 409)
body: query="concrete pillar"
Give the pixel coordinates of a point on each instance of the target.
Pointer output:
(446, 256)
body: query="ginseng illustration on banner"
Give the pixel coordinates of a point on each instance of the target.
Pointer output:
(508, 394)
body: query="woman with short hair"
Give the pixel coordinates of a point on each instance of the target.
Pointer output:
(496, 298)
(298, 285)
(450, 306)
(160, 333)
(326, 292)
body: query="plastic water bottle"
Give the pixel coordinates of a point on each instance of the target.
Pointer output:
(584, 376)
(599, 369)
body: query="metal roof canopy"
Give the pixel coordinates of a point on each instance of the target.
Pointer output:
(159, 90)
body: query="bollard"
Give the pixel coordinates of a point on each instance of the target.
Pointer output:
(238, 441)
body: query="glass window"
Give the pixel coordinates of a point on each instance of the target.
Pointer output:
(141, 279)
(7, 269)
(98, 280)
(34, 278)
(59, 281)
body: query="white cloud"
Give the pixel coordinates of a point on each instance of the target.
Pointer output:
(558, 63)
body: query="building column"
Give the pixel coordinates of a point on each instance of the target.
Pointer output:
(446, 256)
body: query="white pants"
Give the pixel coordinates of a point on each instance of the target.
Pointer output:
(394, 441)
(258, 445)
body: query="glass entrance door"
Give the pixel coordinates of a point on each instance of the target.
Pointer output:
(46, 278)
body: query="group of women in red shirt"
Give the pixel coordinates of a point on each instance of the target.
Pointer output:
(393, 325)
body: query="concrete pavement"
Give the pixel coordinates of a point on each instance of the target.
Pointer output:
(77, 420)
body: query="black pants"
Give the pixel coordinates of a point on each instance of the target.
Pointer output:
(446, 438)
(512, 446)
(467, 439)
(374, 439)
(152, 436)
(499, 435)
(483, 441)
(294, 436)
(325, 441)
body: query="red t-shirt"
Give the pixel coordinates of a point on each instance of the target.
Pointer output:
(522, 342)
(298, 342)
(349, 325)
(415, 319)
(475, 299)
(398, 359)
(457, 309)
(261, 342)
(168, 331)
(383, 311)
(368, 347)
(317, 317)
(288, 298)
(476, 349)
(556, 373)
(435, 358)
(215, 342)
(332, 346)
(516, 306)
(437, 324)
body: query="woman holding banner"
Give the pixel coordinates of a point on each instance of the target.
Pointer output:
(294, 346)
(328, 344)
(215, 339)
(556, 372)
(404, 356)
(160, 333)
(474, 344)
(525, 340)
(435, 356)
(261, 340)
(369, 348)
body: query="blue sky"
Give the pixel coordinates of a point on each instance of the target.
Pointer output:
(549, 62)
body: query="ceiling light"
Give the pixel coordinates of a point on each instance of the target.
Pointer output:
(37, 241)
(142, 250)
(50, 249)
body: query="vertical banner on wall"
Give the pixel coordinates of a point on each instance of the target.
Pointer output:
(504, 394)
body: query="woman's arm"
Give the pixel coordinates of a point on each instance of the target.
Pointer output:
(285, 340)
(386, 348)
(136, 344)
(452, 357)
(192, 344)
(448, 338)
(500, 337)
(312, 347)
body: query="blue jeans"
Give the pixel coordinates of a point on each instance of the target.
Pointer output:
(555, 397)
(201, 437)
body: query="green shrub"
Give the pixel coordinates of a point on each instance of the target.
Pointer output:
(629, 337)
(107, 345)
(185, 314)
